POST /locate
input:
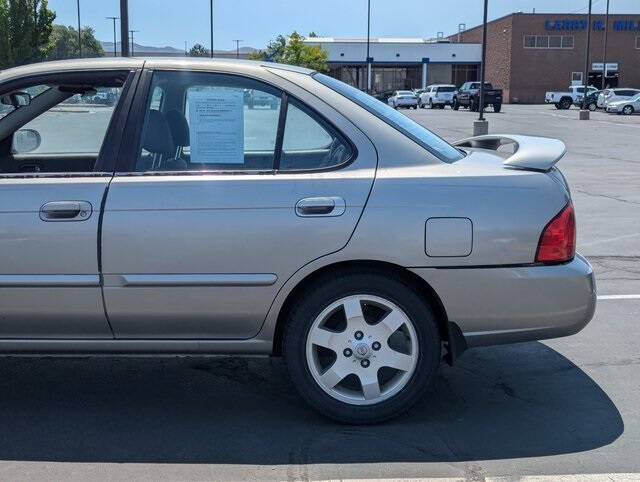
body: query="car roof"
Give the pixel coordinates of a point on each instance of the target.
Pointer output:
(125, 63)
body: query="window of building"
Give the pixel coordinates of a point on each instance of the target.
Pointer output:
(462, 73)
(576, 77)
(638, 42)
(542, 41)
(555, 41)
(548, 41)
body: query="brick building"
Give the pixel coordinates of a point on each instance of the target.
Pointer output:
(528, 54)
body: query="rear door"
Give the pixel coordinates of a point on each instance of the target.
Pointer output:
(221, 201)
(54, 171)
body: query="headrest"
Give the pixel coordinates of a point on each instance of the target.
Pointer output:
(157, 136)
(179, 127)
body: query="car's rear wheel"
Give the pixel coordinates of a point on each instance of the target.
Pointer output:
(565, 103)
(361, 347)
(455, 105)
(592, 106)
(627, 110)
(497, 107)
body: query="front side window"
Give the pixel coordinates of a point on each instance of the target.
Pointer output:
(64, 130)
(419, 134)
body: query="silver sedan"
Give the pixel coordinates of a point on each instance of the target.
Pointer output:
(626, 106)
(320, 225)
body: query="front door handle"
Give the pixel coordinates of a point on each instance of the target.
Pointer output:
(66, 211)
(320, 206)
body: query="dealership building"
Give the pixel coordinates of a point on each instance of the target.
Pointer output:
(527, 54)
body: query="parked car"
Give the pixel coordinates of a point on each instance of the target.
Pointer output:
(592, 101)
(319, 234)
(437, 95)
(564, 99)
(468, 95)
(625, 106)
(403, 98)
(614, 95)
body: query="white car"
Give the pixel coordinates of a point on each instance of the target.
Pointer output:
(625, 106)
(403, 98)
(437, 95)
(614, 95)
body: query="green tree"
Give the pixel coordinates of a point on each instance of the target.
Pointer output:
(294, 51)
(198, 50)
(63, 43)
(25, 27)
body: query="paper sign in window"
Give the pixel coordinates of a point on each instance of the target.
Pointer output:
(216, 127)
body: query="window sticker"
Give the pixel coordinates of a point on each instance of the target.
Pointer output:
(216, 127)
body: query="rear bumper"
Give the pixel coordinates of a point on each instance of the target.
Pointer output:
(513, 304)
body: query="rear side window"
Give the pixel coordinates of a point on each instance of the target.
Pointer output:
(424, 137)
(198, 121)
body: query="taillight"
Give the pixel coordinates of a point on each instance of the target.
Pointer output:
(558, 239)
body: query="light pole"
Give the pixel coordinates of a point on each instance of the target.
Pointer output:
(132, 47)
(584, 113)
(368, 42)
(604, 53)
(124, 28)
(211, 27)
(237, 47)
(79, 32)
(115, 48)
(481, 126)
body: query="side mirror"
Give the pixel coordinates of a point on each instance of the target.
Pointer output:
(16, 99)
(26, 140)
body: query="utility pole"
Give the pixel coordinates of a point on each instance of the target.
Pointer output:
(211, 27)
(79, 32)
(368, 59)
(604, 54)
(584, 113)
(132, 47)
(237, 48)
(124, 28)
(115, 47)
(481, 126)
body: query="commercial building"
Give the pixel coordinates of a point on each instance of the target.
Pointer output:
(401, 63)
(529, 54)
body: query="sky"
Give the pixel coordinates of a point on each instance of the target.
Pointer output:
(255, 22)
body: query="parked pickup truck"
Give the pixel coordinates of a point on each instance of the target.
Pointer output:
(468, 95)
(563, 100)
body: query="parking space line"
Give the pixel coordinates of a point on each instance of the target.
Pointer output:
(619, 297)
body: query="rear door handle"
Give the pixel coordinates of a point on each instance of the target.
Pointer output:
(66, 211)
(320, 206)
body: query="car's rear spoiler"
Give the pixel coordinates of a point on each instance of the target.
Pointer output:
(537, 153)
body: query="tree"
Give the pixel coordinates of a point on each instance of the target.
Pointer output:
(63, 43)
(25, 27)
(294, 51)
(198, 50)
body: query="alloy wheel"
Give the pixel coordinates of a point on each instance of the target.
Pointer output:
(362, 349)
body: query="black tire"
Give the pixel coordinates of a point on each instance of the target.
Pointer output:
(430, 104)
(497, 107)
(331, 288)
(557, 106)
(565, 103)
(627, 110)
(472, 105)
(440, 106)
(592, 106)
(455, 105)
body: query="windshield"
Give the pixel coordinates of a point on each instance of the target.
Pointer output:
(424, 137)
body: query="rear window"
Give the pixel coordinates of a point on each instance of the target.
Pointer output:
(424, 137)
(445, 89)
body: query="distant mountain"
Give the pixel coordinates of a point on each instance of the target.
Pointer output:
(170, 51)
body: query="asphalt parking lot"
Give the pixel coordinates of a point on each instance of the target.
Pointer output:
(560, 407)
